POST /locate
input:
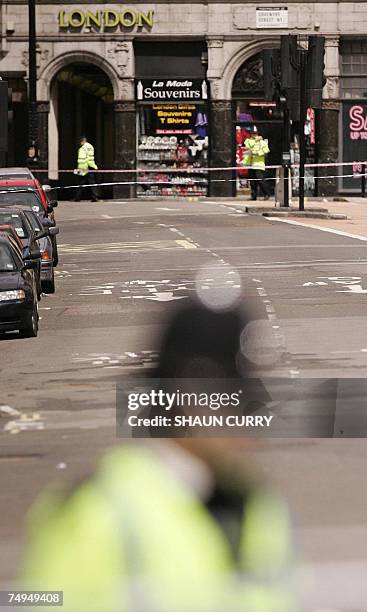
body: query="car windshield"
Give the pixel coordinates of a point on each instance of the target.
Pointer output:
(7, 263)
(16, 221)
(16, 176)
(34, 221)
(28, 199)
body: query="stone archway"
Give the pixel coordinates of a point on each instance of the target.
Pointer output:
(239, 58)
(82, 101)
(48, 132)
(75, 57)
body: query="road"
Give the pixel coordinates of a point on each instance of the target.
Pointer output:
(123, 267)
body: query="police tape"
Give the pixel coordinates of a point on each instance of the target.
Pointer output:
(178, 183)
(197, 168)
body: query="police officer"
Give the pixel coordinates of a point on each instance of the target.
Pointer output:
(86, 165)
(168, 525)
(257, 148)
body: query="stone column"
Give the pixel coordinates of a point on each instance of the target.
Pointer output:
(221, 128)
(328, 139)
(125, 148)
(53, 135)
(221, 148)
(43, 109)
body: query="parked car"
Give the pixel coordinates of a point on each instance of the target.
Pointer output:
(36, 234)
(10, 231)
(30, 248)
(18, 293)
(16, 173)
(18, 193)
(30, 194)
(45, 233)
(28, 185)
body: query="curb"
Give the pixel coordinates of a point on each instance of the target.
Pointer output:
(305, 214)
(283, 210)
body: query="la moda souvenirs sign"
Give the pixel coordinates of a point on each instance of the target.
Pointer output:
(152, 90)
(105, 20)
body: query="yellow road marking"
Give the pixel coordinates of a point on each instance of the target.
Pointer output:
(125, 246)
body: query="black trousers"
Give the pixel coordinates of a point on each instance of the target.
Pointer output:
(84, 186)
(258, 183)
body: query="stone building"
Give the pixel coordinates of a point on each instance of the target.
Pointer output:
(122, 73)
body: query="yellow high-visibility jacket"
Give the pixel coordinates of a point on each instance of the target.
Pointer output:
(86, 160)
(254, 157)
(134, 538)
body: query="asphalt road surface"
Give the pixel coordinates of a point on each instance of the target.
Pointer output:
(123, 267)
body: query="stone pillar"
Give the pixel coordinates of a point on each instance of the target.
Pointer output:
(221, 128)
(221, 148)
(43, 109)
(328, 130)
(125, 148)
(53, 135)
(328, 146)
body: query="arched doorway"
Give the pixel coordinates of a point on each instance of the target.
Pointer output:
(251, 109)
(82, 104)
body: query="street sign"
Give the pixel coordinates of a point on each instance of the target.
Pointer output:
(271, 17)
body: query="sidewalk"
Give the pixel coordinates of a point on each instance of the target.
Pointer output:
(355, 208)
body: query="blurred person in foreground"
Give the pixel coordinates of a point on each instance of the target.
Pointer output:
(169, 525)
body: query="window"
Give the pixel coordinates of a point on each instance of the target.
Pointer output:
(6, 261)
(353, 67)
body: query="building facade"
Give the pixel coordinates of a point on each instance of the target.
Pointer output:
(173, 85)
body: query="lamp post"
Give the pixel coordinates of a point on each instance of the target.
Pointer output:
(32, 83)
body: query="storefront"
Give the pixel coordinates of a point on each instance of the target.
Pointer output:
(353, 117)
(96, 65)
(172, 137)
(255, 114)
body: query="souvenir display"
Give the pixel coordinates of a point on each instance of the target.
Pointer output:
(172, 164)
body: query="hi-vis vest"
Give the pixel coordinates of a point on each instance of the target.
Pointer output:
(255, 154)
(86, 158)
(133, 539)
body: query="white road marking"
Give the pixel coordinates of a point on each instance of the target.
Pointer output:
(352, 284)
(25, 422)
(170, 209)
(8, 410)
(318, 227)
(166, 296)
(352, 289)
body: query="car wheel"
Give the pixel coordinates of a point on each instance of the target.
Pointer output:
(30, 329)
(48, 286)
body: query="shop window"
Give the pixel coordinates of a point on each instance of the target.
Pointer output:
(172, 137)
(255, 114)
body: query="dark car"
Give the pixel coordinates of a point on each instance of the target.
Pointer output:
(12, 235)
(45, 233)
(26, 194)
(18, 293)
(28, 238)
